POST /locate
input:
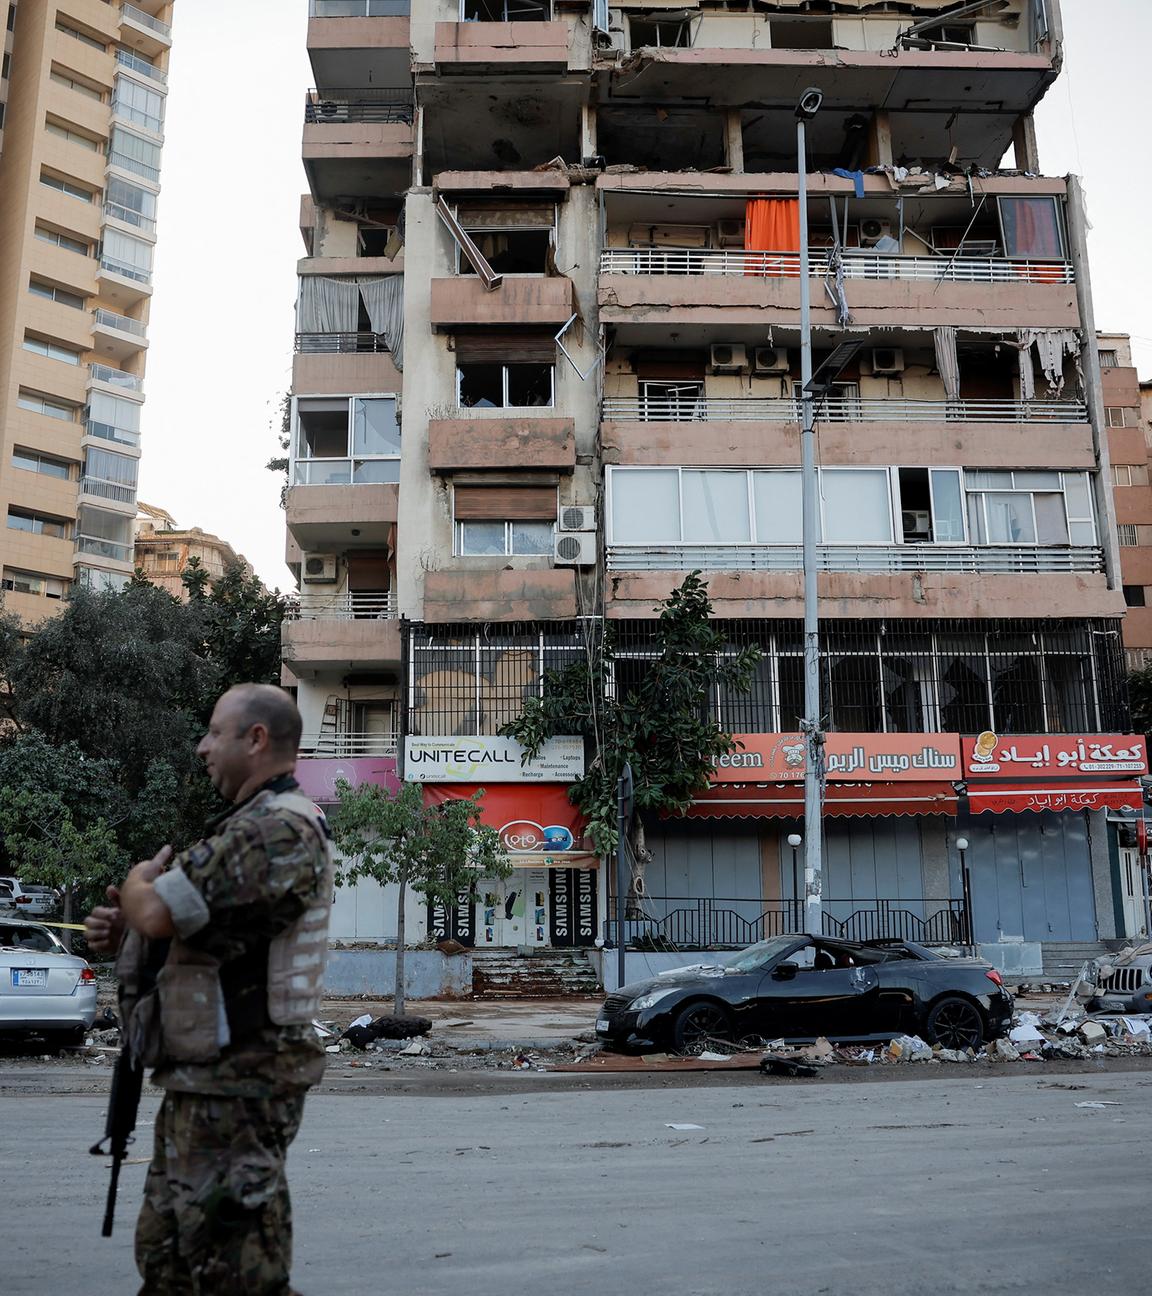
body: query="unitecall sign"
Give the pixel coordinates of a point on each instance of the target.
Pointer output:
(491, 760)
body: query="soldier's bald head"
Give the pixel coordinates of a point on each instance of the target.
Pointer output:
(269, 706)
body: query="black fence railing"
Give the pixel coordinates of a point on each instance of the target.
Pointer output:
(325, 107)
(698, 923)
(339, 343)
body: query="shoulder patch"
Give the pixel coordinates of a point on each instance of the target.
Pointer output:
(198, 856)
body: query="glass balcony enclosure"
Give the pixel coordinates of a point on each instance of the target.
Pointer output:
(345, 440)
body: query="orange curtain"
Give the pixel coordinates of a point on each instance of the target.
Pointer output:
(772, 225)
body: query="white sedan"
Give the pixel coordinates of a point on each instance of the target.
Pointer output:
(43, 988)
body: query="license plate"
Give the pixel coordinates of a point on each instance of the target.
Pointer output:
(29, 976)
(602, 1024)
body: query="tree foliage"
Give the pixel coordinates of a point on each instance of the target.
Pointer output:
(658, 720)
(394, 838)
(1140, 699)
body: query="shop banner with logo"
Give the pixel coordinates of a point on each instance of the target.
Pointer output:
(850, 757)
(536, 822)
(1012, 756)
(491, 760)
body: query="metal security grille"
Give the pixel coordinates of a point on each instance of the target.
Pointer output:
(1058, 676)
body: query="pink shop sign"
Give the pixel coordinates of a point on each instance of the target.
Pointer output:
(318, 776)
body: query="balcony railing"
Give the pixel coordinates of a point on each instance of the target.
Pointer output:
(839, 409)
(122, 323)
(359, 8)
(108, 432)
(693, 923)
(346, 472)
(136, 63)
(333, 107)
(116, 211)
(99, 548)
(146, 20)
(339, 343)
(108, 490)
(123, 268)
(116, 377)
(786, 265)
(970, 559)
(344, 606)
(345, 746)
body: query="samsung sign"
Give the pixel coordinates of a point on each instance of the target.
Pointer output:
(491, 760)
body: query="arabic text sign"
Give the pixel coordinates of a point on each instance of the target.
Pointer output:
(849, 757)
(491, 760)
(1054, 755)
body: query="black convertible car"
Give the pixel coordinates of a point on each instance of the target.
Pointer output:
(799, 988)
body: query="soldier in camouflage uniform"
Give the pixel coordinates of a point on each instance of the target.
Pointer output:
(240, 924)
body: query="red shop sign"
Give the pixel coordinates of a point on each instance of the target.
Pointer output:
(849, 757)
(1012, 756)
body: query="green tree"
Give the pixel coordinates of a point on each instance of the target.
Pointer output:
(1140, 699)
(394, 838)
(659, 720)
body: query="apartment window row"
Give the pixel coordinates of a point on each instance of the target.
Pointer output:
(342, 440)
(672, 506)
(72, 136)
(135, 153)
(102, 534)
(69, 242)
(85, 38)
(45, 465)
(49, 406)
(113, 418)
(1118, 416)
(38, 524)
(73, 188)
(125, 255)
(52, 350)
(1134, 535)
(129, 203)
(1130, 474)
(138, 104)
(503, 386)
(24, 582)
(54, 293)
(504, 521)
(110, 475)
(100, 581)
(71, 82)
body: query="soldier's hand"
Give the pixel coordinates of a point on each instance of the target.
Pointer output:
(150, 870)
(104, 926)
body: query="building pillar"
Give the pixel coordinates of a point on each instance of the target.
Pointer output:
(587, 131)
(734, 140)
(1024, 144)
(1100, 858)
(880, 139)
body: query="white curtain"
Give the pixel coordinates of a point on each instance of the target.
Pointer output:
(946, 360)
(1051, 345)
(384, 302)
(327, 305)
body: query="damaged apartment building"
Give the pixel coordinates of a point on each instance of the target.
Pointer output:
(547, 364)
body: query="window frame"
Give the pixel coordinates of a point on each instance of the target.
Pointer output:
(25, 399)
(509, 525)
(296, 459)
(71, 188)
(53, 292)
(36, 461)
(71, 242)
(504, 366)
(52, 350)
(39, 520)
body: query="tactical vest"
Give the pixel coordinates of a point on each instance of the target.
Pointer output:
(186, 1018)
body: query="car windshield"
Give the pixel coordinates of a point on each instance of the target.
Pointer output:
(759, 955)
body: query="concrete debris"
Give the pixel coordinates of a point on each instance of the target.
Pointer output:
(1025, 1035)
(1003, 1050)
(1092, 1032)
(909, 1048)
(418, 1048)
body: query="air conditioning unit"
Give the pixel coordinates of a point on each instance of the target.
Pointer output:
(729, 357)
(318, 569)
(616, 20)
(916, 523)
(730, 233)
(613, 40)
(887, 360)
(770, 360)
(577, 517)
(873, 230)
(575, 549)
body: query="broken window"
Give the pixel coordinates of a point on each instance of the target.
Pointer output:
(661, 33)
(505, 521)
(511, 252)
(506, 10)
(802, 33)
(496, 386)
(344, 441)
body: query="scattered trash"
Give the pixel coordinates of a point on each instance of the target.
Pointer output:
(909, 1048)
(418, 1048)
(676, 1125)
(1003, 1050)
(1097, 1104)
(772, 1064)
(712, 1057)
(1026, 1034)
(365, 1019)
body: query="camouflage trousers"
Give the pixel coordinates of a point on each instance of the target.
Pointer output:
(216, 1216)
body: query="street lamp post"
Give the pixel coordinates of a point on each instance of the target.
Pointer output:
(806, 109)
(794, 840)
(966, 888)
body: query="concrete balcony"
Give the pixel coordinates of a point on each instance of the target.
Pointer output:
(117, 338)
(517, 303)
(478, 594)
(342, 373)
(358, 143)
(144, 31)
(476, 47)
(313, 646)
(360, 42)
(849, 595)
(699, 286)
(473, 444)
(324, 518)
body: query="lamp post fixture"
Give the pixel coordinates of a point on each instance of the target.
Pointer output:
(794, 840)
(806, 109)
(966, 887)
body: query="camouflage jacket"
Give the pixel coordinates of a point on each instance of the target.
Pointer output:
(255, 872)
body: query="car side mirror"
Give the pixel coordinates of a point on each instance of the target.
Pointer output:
(785, 972)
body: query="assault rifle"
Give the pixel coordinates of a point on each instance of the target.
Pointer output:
(123, 1104)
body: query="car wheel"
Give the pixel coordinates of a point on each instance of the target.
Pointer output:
(955, 1023)
(698, 1024)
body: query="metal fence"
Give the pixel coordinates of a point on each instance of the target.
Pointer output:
(838, 409)
(343, 606)
(327, 107)
(340, 343)
(695, 923)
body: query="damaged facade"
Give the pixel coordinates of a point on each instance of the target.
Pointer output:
(548, 363)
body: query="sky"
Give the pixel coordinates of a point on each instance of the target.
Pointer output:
(221, 333)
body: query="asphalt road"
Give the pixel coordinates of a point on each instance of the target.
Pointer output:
(976, 1184)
